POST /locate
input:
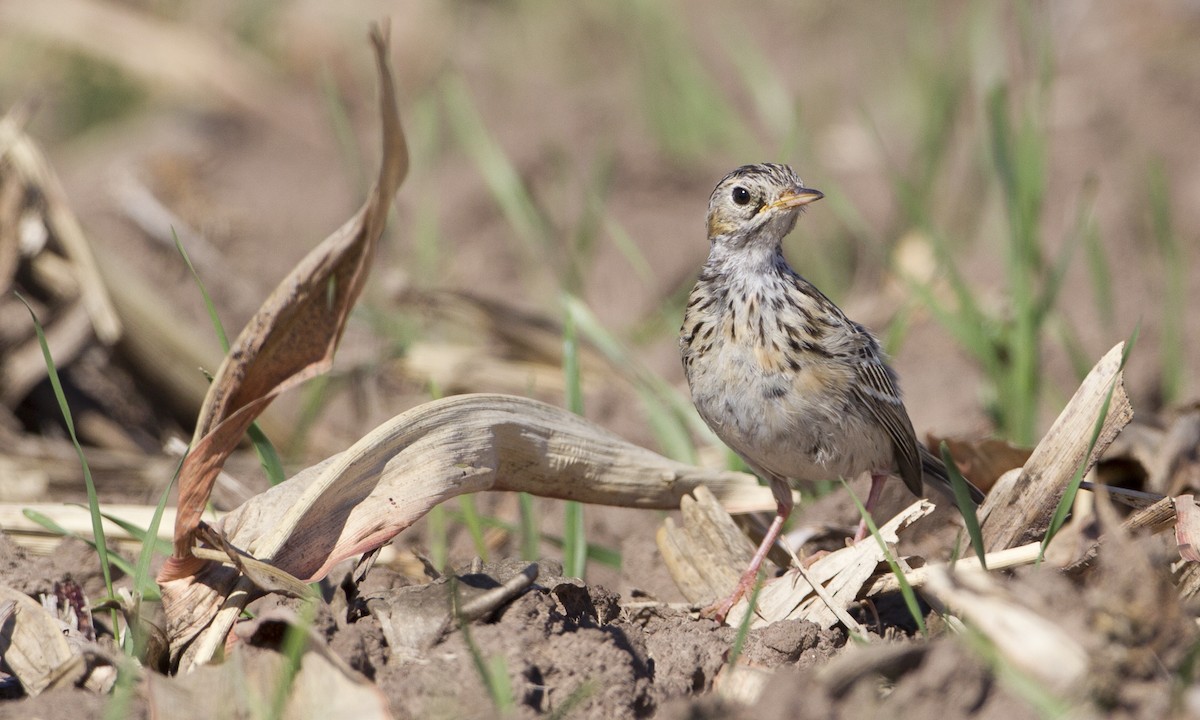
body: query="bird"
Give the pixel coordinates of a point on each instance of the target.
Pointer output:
(783, 377)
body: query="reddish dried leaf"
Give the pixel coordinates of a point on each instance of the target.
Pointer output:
(295, 333)
(983, 461)
(1187, 528)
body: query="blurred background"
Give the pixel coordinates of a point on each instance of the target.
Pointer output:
(1010, 190)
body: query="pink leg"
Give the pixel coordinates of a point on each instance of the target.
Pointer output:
(783, 508)
(877, 480)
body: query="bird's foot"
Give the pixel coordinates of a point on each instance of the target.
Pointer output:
(720, 610)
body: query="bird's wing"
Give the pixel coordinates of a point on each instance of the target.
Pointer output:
(876, 386)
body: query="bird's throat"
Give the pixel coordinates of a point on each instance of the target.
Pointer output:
(750, 258)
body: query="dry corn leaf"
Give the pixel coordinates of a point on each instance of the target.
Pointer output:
(45, 256)
(32, 175)
(841, 575)
(293, 336)
(1168, 457)
(1178, 468)
(1038, 646)
(32, 643)
(360, 499)
(1019, 512)
(983, 461)
(706, 552)
(1187, 527)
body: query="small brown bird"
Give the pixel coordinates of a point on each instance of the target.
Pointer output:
(778, 371)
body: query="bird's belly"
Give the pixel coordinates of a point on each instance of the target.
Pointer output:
(803, 424)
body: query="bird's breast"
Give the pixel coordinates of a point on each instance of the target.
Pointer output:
(761, 378)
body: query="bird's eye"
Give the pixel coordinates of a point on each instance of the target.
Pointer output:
(741, 195)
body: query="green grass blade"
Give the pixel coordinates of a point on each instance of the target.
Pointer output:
(494, 673)
(142, 535)
(500, 685)
(267, 455)
(575, 541)
(1100, 272)
(1077, 355)
(670, 431)
(312, 403)
(773, 101)
(963, 320)
(470, 516)
(625, 244)
(906, 590)
(1175, 304)
(962, 497)
(654, 386)
(118, 707)
(424, 126)
(574, 529)
(743, 631)
(142, 578)
(46, 522)
(582, 692)
(571, 368)
(529, 534)
(589, 225)
(93, 501)
(295, 642)
(213, 317)
(680, 100)
(506, 186)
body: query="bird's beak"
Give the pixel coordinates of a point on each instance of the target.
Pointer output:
(796, 197)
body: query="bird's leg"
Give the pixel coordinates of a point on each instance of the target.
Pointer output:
(783, 508)
(877, 480)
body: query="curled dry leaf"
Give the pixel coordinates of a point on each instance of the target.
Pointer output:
(293, 336)
(31, 641)
(360, 499)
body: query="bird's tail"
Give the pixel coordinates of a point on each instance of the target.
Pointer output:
(936, 475)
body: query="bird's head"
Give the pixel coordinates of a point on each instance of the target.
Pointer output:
(757, 205)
